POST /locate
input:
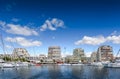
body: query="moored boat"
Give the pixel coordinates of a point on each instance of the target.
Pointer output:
(116, 64)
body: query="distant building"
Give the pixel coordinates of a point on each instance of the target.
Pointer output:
(42, 56)
(20, 53)
(94, 57)
(69, 59)
(104, 53)
(54, 52)
(78, 55)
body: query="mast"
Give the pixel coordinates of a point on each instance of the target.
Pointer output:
(117, 53)
(3, 46)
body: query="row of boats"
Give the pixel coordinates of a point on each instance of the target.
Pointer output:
(15, 64)
(107, 64)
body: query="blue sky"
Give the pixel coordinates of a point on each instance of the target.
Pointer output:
(38, 24)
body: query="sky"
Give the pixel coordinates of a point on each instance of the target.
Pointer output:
(38, 24)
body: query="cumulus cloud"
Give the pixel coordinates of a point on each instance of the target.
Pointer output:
(114, 39)
(17, 29)
(97, 40)
(24, 42)
(91, 40)
(20, 30)
(52, 24)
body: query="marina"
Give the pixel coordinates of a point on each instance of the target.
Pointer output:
(59, 39)
(60, 72)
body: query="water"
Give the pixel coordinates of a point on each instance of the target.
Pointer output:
(60, 72)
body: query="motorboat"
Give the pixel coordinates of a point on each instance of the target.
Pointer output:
(116, 64)
(7, 65)
(22, 64)
(97, 64)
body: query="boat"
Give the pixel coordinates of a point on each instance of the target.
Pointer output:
(4, 64)
(22, 64)
(97, 64)
(65, 64)
(7, 65)
(116, 64)
(78, 64)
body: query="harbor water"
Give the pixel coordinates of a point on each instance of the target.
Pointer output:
(60, 72)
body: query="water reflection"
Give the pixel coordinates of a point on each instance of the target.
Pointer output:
(60, 72)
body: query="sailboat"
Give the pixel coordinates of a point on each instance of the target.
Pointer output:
(5, 64)
(116, 64)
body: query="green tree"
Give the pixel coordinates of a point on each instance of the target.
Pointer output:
(7, 58)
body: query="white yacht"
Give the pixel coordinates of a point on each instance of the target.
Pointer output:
(97, 64)
(4, 64)
(7, 65)
(114, 65)
(21, 64)
(64, 64)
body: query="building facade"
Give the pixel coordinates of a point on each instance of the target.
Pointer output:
(78, 55)
(54, 52)
(105, 53)
(20, 53)
(93, 57)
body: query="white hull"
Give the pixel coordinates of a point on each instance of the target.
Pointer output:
(113, 65)
(64, 64)
(22, 64)
(97, 64)
(78, 64)
(7, 65)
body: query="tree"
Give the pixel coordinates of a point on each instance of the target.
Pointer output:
(41, 61)
(54, 61)
(7, 58)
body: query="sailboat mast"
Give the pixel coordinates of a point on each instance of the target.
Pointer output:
(3, 46)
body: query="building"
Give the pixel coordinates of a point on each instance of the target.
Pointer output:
(78, 55)
(104, 53)
(93, 57)
(20, 53)
(69, 59)
(54, 52)
(42, 56)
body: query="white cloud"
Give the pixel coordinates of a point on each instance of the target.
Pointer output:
(24, 42)
(114, 39)
(17, 29)
(52, 24)
(97, 40)
(91, 40)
